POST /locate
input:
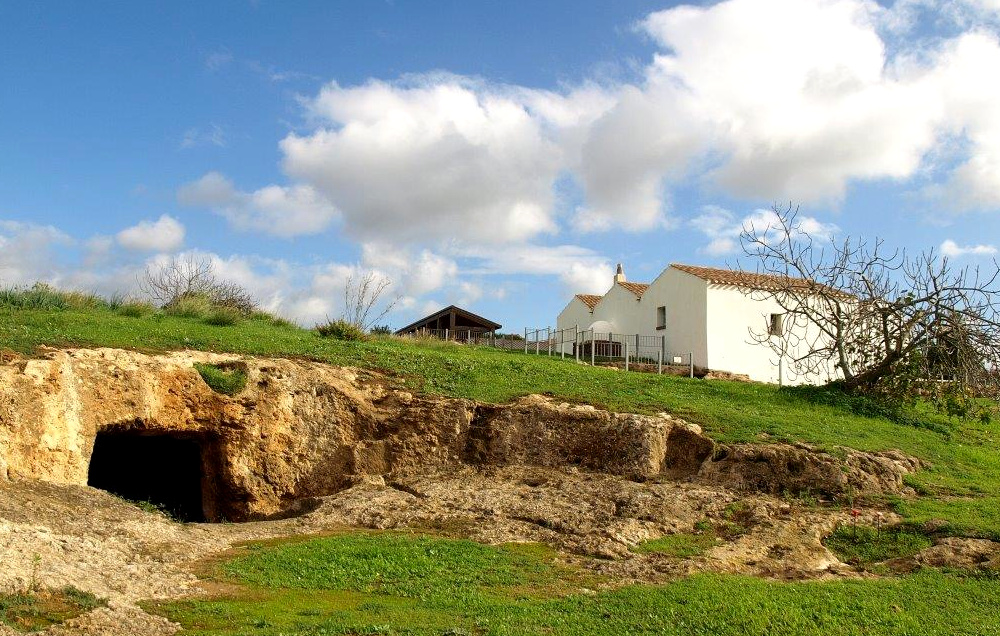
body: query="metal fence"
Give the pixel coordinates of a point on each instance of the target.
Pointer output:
(477, 337)
(630, 351)
(633, 352)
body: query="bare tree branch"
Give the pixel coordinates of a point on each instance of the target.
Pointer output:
(883, 315)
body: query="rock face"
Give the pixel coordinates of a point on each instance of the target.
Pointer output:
(303, 429)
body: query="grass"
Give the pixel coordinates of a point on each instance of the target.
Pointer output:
(397, 584)
(865, 545)
(225, 380)
(34, 611)
(681, 545)
(961, 484)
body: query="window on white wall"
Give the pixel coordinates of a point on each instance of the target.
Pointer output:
(661, 317)
(777, 327)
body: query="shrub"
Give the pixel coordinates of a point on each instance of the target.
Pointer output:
(265, 317)
(340, 330)
(225, 380)
(381, 330)
(223, 317)
(135, 309)
(190, 306)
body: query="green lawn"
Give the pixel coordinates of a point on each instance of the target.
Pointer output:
(962, 486)
(384, 583)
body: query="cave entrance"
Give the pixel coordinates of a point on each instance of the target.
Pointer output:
(163, 470)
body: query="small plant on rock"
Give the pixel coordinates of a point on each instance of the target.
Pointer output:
(228, 381)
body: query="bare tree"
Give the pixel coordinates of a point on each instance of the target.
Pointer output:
(193, 276)
(888, 321)
(363, 297)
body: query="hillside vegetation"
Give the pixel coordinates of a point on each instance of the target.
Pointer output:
(961, 485)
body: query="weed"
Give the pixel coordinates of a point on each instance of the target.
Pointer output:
(865, 545)
(228, 381)
(340, 330)
(222, 317)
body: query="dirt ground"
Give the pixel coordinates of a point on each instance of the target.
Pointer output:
(57, 535)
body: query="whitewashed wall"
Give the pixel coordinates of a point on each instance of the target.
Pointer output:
(731, 315)
(575, 313)
(684, 297)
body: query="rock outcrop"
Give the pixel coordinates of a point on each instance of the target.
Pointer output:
(303, 429)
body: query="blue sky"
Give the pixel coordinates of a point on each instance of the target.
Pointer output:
(497, 155)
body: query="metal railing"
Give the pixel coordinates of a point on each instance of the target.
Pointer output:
(632, 351)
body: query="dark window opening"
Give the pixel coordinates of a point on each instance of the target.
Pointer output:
(162, 470)
(661, 317)
(777, 326)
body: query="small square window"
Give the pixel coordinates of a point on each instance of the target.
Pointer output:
(661, 317)
(777, 327)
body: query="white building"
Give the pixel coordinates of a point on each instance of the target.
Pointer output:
(704, 311)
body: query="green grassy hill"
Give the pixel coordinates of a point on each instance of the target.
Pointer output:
(962, 486)
(407, 584)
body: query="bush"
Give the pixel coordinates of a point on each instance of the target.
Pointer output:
(271, 319)
(225, 380)
(44, 296)
(190, 306)
(135, 309)
(340, 330)
(382, 330)
(223, 317)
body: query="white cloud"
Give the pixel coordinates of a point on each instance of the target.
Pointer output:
(214, 135)
(428, 158)
(27, 252)
(581, 270)
(952, 249)
(217, 60)
(723, 229)
(166, 234)
(278, 210)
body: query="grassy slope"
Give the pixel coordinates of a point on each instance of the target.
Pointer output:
(394, 584)
(962, 485)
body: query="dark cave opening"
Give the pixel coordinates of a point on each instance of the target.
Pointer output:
(163, 470)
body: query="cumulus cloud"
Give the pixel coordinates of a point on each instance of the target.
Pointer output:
(723, 228)
(277, 210)
(428, 158)
(952, 249)
(581, 270)
(166, 234)
(27, 252)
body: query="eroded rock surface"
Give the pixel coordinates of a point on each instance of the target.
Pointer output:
(303, 429)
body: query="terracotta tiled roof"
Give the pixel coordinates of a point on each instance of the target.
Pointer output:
(636, 288)
(590, 300)
(750, 280)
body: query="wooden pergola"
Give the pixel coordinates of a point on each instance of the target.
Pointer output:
(454, 319)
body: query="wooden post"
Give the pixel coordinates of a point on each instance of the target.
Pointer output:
(625, 342)
(548, 341)
(592, 346)
(691, 365)
(446, 334)
(538, 343)
(525, 340)
(659, 363)
(562, 344)
(576, 342)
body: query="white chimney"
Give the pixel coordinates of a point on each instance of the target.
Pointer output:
(620, 275)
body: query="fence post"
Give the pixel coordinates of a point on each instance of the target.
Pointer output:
(780, 370)
(576, 342)
(525, 340)
(592, 347)
(626, 353)
(468, 336)
(663, 347)
(659, 363)
(446, 334)
(691, 365)
(637, 346)
(562, 344)
(538, 343)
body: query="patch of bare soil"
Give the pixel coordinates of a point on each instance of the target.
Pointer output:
(57, 535)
